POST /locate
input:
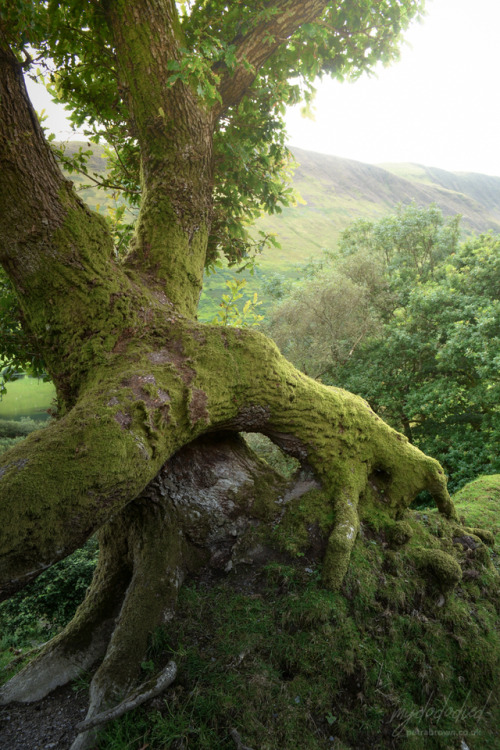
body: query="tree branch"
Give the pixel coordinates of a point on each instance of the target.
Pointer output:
(259, 45)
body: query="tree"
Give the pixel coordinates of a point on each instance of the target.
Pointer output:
(420, 335)
(190, 97)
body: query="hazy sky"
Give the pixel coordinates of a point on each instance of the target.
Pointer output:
(439, 106)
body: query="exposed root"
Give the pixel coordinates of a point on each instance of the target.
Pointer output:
(210, 492)
(84, 641)
(235, 736)
(343, 536)
(147, 690)
(193, 514)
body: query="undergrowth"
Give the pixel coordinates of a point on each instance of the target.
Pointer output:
(43, 607)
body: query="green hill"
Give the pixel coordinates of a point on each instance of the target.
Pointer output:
(337, 191)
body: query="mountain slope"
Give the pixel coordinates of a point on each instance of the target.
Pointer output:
(337, 191)
(483, 189)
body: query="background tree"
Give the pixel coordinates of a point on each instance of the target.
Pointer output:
(421, 335)
(190, 97)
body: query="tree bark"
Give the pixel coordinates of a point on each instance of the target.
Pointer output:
(174, 128)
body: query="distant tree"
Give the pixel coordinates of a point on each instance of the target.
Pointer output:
(417, 333)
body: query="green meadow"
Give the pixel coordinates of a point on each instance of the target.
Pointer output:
(27, 397)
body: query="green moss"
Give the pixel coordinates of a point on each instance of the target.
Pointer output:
(305, 515)
(281, 462)
(483, 534)
(442, 566)
(398, 533)
(290, 664)
(479, 503)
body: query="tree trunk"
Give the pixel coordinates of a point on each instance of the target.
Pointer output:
(145, 448)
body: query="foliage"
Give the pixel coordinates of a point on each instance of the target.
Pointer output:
(410, 320)
(18, 350)
(13, 431)
(268, 451)
(252, 160)
(230, 312)
(252, 164)
(47, 604)
(11, 428)
(322, 321)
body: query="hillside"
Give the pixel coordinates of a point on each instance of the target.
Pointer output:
(337, 191)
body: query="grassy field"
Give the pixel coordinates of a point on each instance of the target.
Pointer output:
(27, 397)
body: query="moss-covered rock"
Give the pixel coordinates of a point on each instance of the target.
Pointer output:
(442, 566)
(398, 533)
(383, 663)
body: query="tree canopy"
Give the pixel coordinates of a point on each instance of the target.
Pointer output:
(243, 62)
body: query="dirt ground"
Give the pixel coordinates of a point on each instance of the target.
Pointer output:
(48, 724)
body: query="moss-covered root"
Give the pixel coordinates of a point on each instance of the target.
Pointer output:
(350, 449)
(84, 641)
(343, 536)
(155, 548)
(61, 484)
(392, 490)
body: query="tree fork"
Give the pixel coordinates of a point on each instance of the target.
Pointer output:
(174, 128)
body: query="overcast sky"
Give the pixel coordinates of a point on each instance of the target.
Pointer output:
(439, 106)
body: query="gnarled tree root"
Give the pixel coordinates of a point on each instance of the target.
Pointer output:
(130, 421)
(147, 690)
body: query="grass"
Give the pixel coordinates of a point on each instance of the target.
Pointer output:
(290, 665)
(479, 502)
(27, 397)
(387, 663)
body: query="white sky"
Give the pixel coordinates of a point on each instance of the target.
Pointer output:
(438, 106)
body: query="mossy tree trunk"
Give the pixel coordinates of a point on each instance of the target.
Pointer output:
(149, 398)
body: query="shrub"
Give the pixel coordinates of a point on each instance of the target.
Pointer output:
(49, 602)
